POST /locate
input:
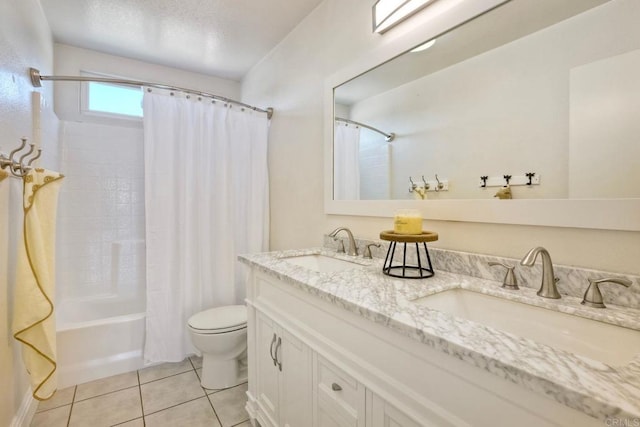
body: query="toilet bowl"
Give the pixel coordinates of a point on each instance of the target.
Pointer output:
(221, 335)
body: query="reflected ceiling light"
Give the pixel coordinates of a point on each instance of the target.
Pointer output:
(387, 13)
(424, 46)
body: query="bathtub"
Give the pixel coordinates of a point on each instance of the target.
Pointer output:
(99, 337)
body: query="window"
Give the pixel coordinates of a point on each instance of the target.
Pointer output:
(111, 100)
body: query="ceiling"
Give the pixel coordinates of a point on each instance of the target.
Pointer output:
(224, 38)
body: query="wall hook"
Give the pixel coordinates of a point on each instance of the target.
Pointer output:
(507, 178)
(413, 185)
(530, 175)
(440, 185)
(426, 184)
(484, 179)
(36, 157)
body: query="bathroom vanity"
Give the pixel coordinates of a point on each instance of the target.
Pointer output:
(334, 342)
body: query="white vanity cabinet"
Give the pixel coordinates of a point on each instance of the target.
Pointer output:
(340, 369)
(338, 398)
(283, 381)
(383, 414)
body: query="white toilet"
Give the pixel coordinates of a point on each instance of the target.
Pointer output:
(221, 335)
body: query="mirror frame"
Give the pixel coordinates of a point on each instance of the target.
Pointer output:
(442, 16)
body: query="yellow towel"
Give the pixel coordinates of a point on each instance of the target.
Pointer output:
(3, 174)
(33, 319)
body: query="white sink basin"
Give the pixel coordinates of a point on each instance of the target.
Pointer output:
(322, 263)
(610, 344)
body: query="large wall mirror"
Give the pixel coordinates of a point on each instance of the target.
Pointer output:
(542, 95)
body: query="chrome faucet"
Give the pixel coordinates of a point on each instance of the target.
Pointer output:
(353, 249)
(548, 287)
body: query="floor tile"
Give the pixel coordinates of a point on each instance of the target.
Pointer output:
(244, 424)
(164, 370)
(108, 409)
(229, 405)
(60, 398)
(197, 361)
(197, 413)
(57, 417)
(106, 385)
(138, 422)
(161, 394)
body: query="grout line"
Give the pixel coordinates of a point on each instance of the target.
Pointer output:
(144, 423)
(214, 411)
(75, 389)
(168, 376)
(124, 422)
(224, 389)
(104, 394)
(173, 406)
(191, 361)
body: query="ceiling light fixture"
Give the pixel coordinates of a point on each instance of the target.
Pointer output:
(388, 13)
(424, 46)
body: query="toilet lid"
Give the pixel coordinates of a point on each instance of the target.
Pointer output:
(230, 316)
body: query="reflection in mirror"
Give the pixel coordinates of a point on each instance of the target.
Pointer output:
(532, 87)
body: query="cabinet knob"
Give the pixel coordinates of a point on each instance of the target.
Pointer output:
(336, 387)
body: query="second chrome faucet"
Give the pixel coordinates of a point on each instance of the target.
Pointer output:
(353, 249)
(548, 288)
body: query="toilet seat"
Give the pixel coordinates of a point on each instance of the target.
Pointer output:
(219, 320)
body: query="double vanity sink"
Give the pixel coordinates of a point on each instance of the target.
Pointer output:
(582, 357)
(608, 343)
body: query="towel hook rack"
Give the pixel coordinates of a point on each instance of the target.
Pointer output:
(19, 166)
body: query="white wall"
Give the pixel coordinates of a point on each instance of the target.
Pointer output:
(604, 149)
(291, 79)
(25, 41)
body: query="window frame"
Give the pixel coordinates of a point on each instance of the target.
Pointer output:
(85, 93)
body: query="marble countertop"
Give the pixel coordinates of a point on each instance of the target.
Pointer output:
(587, 385)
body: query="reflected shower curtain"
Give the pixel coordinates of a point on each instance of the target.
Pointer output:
(206, 201)
(346, 163)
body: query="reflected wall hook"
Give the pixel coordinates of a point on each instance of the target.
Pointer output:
(484, 179)
(530, 175)
(507, 178)
(413, 185)
(426, 184)
(440, 185)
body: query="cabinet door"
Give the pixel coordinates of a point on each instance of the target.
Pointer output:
(295, 381)
(386, 415)
(267, 372)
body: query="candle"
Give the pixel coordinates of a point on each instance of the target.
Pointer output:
(407, 221)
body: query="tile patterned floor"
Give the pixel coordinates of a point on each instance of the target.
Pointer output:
(167, 395)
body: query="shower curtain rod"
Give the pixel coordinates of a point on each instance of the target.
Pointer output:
(387, 136)
(36, 81)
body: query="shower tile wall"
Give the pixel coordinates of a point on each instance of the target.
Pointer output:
(101, 211)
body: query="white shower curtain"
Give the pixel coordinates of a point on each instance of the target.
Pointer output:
(206, 201)
(346, 163)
